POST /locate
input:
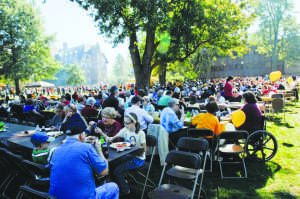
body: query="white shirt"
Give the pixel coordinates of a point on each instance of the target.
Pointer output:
(143, 116)
(136, 139)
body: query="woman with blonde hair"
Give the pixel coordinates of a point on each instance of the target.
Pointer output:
(108, 126)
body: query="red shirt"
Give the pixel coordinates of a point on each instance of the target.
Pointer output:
(228, 90)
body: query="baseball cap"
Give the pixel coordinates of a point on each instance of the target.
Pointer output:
(41, 137)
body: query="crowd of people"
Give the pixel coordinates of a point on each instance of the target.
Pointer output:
(122, 113)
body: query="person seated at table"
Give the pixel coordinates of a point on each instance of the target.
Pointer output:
(42, 104)
(73, 121)
(219, 98)
(168, 117)
(208, 120)
(147, 106)
(81, 103)
(163, 101)
(89, 110)
(112, 100)
(236, 96)
(253, 113)
(64, 100)
(108, 126)
(177, 93)
(33, 113)
(41, 154)
(133, 134)
(72, 167)
(157, 96)
(143, 117)
(58, 118)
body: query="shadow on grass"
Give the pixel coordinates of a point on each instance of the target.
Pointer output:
(278, 122)
(284, 195)
(258, 175)
(287, 145)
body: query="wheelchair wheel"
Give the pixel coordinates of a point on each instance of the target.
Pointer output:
(261, 146)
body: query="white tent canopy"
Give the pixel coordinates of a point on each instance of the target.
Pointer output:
(40, 84)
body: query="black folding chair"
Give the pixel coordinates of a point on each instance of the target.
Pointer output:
(36, 174)
(183, 159)
(30, 193)
(15, 162)
(199, 146)
(207, 134)
(229, 142)
(6, 169)
(150, 142)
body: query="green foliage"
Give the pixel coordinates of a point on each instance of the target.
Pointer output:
(24, 48)
(75, 75)
(172, 29)
(278, 31)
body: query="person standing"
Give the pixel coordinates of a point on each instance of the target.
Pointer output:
(228, 88)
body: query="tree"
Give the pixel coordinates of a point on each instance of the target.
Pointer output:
(188, 24)
(277, 28)
(24, 48)
(75, 75)
(121, 69)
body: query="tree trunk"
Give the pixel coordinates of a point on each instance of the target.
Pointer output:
(142, 69)
(17, 84)
(162, 77)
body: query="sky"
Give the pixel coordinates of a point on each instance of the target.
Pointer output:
(73, 25)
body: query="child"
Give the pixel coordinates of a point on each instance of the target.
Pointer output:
(133, 134)
(41, 153)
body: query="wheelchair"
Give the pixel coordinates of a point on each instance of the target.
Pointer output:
(261, 145)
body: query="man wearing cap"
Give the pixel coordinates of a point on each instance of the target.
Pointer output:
(168, 117)
(41, 154)
(143, 116)
(72, 168)
(89, 110)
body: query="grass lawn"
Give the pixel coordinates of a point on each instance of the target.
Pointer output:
(278, 178)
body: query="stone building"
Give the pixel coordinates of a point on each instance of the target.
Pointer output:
(251, 64)
(91, 60)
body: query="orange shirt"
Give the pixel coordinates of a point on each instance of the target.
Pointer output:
(207, 121)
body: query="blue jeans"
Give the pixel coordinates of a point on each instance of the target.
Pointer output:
(128, 162)
(107, 191)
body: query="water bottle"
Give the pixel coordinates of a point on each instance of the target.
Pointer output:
(37, 128)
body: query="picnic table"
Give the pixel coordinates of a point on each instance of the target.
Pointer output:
(20, 143)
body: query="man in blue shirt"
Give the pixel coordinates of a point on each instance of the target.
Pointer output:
(168, 117)
(72, 167)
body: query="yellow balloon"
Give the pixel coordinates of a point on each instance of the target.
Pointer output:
(238, 118)
(274, 76)
(290, 80)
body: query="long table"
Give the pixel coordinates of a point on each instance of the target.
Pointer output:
(16, 140)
